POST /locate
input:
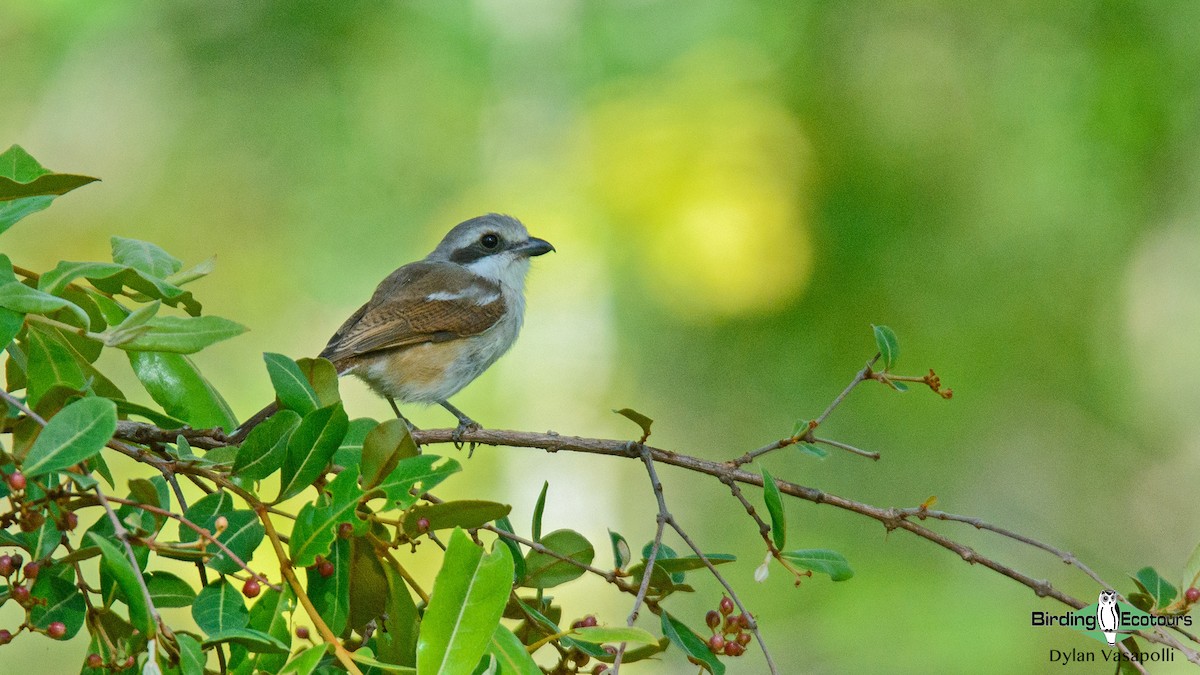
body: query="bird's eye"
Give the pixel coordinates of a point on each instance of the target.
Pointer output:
(490, 240)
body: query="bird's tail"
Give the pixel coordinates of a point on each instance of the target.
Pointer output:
(258, 418)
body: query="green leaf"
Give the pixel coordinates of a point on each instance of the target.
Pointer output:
(270, 615)
(264, 450)
(63, 602)
(415, 474)
(401, 623)
(331, 595)
(691, 644)
(1149, 580)
(323, 378)
(813, 450)
(821, 560)
(18, 297)
(349, 452)
(117, 565)
(638, 419)
(774, 502)
(383, 448)
(116, 279)
(198, 271)
(144, 256)
(174, 383)
(538, 509)
(511, 654)
(254, 640)
(49, 364)
(368, 593)
(10, 325)
(27, 187)
(304, 663)
(243, 535)
(317, 523)
(546, 571)
(889, 348)
(310, 448)
(42, 541)
(291, 387)
(614, 634)
(620, 548)
(465, 513)
(181, 335)
(692, 562)
(76, 433)
(191, 655)
(219, 608)
(132, 325)
(468, 598)
(168, 590)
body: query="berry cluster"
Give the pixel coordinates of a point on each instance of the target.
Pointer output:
(730, 635)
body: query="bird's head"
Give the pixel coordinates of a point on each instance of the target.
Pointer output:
(495, 246)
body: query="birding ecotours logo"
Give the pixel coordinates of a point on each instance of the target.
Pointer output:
(1107, 620)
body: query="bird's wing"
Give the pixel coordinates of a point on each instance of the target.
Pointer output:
(420, 302)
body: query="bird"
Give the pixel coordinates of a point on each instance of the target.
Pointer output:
(1107, 616)
(433, 326)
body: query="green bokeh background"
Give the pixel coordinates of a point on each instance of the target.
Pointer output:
(737, 190)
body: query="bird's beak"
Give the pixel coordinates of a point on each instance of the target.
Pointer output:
(533, 246)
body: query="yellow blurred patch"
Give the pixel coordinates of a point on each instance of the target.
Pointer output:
(706, 174)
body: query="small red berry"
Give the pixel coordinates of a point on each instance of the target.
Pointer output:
(716, 643)
(16, 480)
(1192, 594)
(6, 565)
(20, 594)
(56, 630)
(345, 530)
(5, 636)
(726, 605)
(744, 621)
(422, 525)
(17, 561)
(712, 619)
(600, 669)
(71, 521)
(251, 589)
(743, 639)
(589, 621)
(302, 632)
(734, 649)
(731, 624)
(95, 661)
(129, 663)
(325, 569)
(31, 570)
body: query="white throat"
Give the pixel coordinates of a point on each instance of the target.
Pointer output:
(506, 269)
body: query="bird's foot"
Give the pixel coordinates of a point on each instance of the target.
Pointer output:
(466, 425)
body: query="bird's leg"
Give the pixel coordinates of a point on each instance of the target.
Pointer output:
(399, 415)
(465, 425)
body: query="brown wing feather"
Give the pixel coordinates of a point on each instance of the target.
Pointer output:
(400, 313)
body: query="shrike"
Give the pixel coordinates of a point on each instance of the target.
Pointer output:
(435, 325)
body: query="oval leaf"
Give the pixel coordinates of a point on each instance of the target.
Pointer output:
(821, 560)
(76, 433)
(543, 570)
(465, 513)
(291, 387)
(889, 348)
(175, 383)
(468, 598)
(774, 502)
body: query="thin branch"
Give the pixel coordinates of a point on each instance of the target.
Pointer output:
(285, 567)
(648, 460)
(648, 569)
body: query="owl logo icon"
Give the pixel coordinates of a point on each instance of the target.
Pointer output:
(1108, 616)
